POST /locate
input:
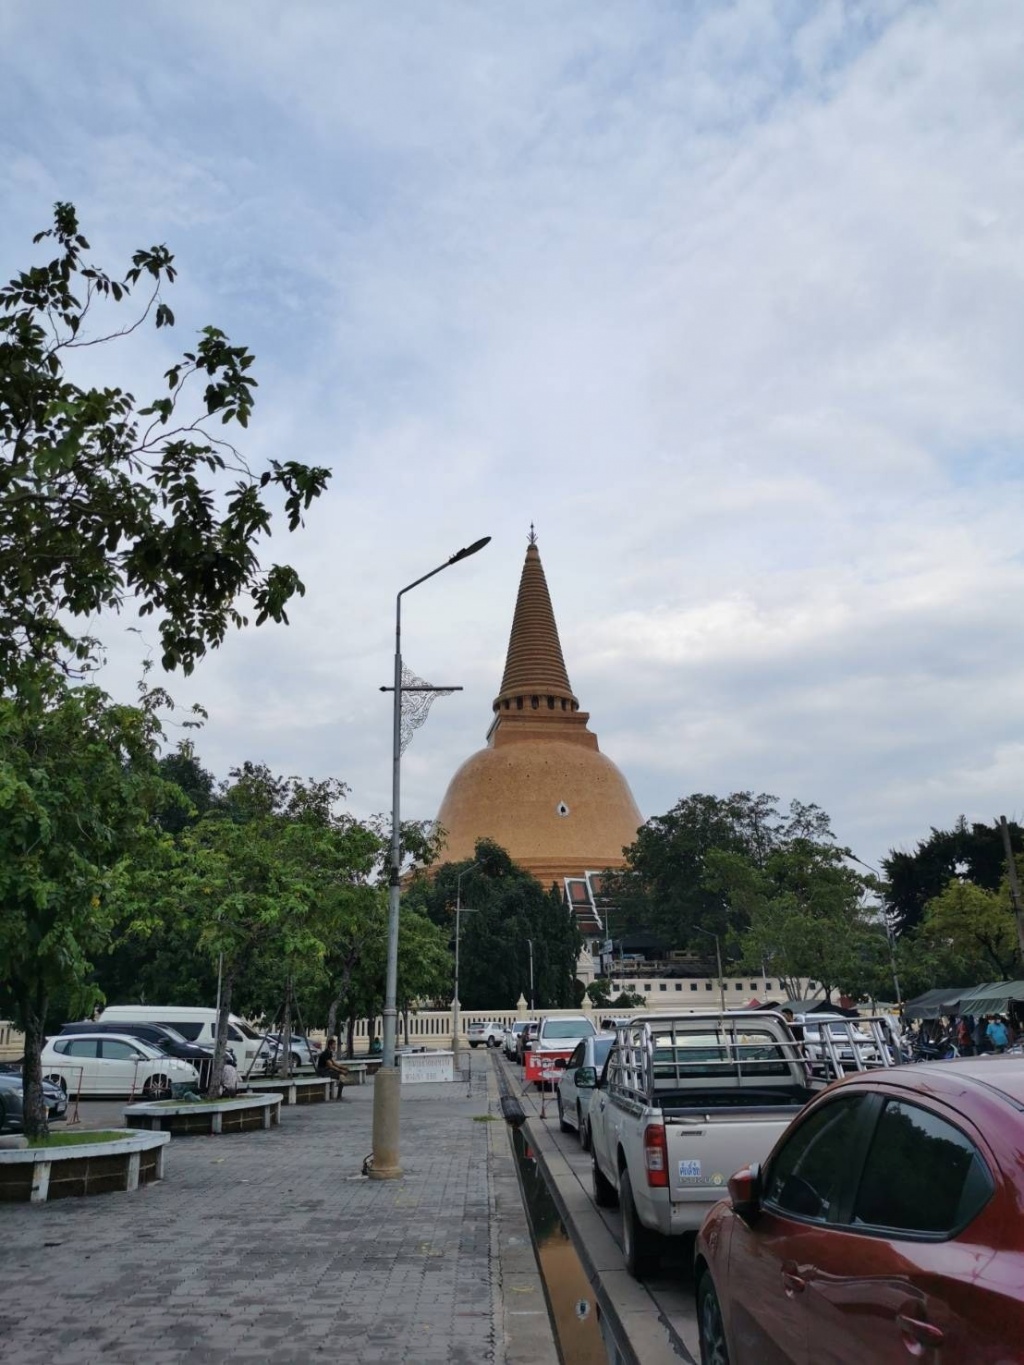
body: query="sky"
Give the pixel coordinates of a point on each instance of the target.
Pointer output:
(727, 299)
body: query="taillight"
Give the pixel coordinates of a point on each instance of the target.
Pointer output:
(656, 1155)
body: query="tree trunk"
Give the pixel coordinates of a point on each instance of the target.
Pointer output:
(350, 1037)
(405, 1021)
(332, 1016)
(34, 1016)
(221, 1044)
(285, 1051)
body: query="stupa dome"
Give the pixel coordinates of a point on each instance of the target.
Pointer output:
(541, 788)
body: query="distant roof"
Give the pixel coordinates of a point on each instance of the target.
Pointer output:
(934, 1004)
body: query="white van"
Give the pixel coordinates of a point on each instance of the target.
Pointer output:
(193, 1022)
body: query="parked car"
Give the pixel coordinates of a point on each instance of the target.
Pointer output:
(113, 1064)
(884, 1224)
(304, 1052)
(12, 1102)
(843, 1032)
(195, 1022)
(510, 1038)
(555, 1037)
(486, 1031)
(525, 1040)
(577, 1085)
(685, 1097)
(161, 1036)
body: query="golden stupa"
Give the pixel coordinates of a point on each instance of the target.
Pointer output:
(541, 788)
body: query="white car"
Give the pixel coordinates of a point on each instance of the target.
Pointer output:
(842, 1032)
(485, 1031)
(113, 1064)
(573, 1097)
(510, 1038)
(304, 1053)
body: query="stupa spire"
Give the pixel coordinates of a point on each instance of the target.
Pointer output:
(535, 676)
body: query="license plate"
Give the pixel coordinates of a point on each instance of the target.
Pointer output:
(689, 1170)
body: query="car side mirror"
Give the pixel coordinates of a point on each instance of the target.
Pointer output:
(745, 1191)
(585, 1077)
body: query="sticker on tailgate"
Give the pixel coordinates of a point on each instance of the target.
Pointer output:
(689, 1170)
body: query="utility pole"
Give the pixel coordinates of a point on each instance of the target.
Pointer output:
(1011, 872)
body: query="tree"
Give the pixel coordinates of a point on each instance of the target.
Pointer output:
(975, 930)
(972, 852)
(261, 880)
(102, 500)
(805, 914)
(664, 888)
(79, 787)
(509, 909)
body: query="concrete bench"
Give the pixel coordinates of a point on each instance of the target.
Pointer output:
(297, 1090)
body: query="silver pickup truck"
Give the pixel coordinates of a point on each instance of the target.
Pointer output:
(688, 1099)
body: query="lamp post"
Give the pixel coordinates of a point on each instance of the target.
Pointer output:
(386, 1086)
(456, 1007)
(530, 944)
(888, 933)
(718, 954)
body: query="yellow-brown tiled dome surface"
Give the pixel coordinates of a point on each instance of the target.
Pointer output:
(541, 789)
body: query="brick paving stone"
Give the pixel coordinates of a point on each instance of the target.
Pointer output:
(272, 1247)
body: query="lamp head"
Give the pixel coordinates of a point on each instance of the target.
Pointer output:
(469, 550)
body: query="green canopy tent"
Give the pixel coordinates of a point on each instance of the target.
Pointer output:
(995, 997)
(940, 1003)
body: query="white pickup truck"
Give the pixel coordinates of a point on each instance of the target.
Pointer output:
(685, 1101)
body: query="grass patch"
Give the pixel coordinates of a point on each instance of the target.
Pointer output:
(76, 1139)
(485, 1118)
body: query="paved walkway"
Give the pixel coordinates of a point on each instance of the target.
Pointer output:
(273, 1248)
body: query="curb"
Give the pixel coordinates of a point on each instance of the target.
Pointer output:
(642, 1333)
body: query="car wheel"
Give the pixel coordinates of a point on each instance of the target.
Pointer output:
(604, 1191)
(296, 1059)
(474, 1044)
(3, 1117)
(157, 1088)
(58, 1080)
(714, 1349)
(583, 1128)
(639, 1244)
(563, 1123)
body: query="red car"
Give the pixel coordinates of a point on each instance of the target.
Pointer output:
(887, 1224)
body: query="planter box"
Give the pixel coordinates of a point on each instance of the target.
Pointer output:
(223, 1116)
(37, 1174)
(297, 1090)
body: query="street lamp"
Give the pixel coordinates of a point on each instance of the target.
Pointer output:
(386, 1086)
(530, 943)
(456, 1008)
(718, 953)
(888, 933)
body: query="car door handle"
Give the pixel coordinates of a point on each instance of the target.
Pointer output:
(915, 1332)
(792, 1283)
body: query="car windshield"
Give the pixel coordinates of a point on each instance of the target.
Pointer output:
(173, 1035)
(568, 1028)
(602, 1047)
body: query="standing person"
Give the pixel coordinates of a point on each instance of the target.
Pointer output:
(965, 1036)
(326, 1065)
(998, 1034)
(981, 1043)
(797, 1030)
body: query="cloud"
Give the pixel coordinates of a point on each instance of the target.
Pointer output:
(727, 298)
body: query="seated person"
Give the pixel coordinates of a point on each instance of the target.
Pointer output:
(375, 1047)
(327, 1065)
(230, 1080)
